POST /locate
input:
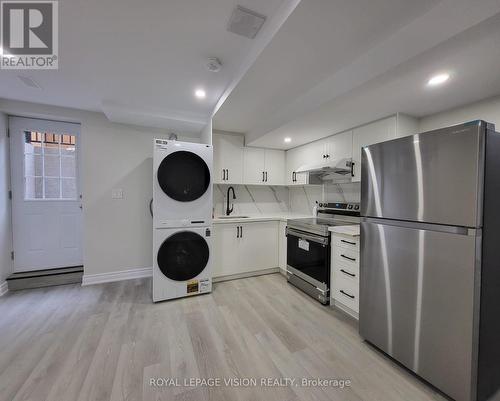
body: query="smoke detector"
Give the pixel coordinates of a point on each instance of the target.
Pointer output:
(245, 22)
(214, 64)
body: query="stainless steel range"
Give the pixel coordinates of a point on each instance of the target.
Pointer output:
(308, 247)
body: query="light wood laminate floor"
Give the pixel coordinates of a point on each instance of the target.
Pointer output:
(105, 342)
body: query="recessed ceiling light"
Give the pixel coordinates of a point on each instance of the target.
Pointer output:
(200, 94)
(438, 79)
(288, 140)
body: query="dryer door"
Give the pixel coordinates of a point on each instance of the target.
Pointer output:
(183, 176)
(183, 256)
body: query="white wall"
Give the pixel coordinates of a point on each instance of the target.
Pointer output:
(5, 217)
(117, 233)
(206, 134)
(488, 110)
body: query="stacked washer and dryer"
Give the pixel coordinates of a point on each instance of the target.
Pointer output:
(182, 219)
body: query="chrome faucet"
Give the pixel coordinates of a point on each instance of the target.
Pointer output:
(228, 210)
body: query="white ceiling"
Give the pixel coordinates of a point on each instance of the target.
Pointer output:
(311, 83)
(140, 61)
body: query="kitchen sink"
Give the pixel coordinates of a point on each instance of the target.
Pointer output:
(233, 217)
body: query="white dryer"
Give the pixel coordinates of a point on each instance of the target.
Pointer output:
(182, 262)
(182, 184)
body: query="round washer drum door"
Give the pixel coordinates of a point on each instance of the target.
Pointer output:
(183, 176)
(183, 256)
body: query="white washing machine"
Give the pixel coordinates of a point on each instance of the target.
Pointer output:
(182, 263)
(182, 184)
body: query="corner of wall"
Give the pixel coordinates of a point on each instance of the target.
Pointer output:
(5, 208)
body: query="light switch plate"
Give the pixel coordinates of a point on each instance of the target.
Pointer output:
(117, 193)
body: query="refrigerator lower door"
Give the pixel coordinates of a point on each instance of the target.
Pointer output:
(417, 299)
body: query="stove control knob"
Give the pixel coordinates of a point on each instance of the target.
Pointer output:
(320, 205)
(356, 207)
(349, 207)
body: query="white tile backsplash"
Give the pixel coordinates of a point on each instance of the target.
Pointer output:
(255, 200)
(342, 192)
(303, 198)
(252, 200)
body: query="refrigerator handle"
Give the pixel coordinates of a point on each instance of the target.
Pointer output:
(471, 232)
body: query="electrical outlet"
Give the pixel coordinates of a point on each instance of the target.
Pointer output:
(117, 193)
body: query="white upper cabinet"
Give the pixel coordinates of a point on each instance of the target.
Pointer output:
(275, 167)
(264, 166)
(228, 159)
(296, 158)
(254, 166)
(339, 146)
(378, 131)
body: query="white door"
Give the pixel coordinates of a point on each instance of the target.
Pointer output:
(46, 199)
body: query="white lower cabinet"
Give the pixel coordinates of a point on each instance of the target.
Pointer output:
(344, 280)
(242, 248)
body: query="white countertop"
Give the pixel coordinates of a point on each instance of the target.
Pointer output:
(261, 217)
(351, 230)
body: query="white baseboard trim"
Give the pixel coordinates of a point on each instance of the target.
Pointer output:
(90, 279)
(3, 288)
(245, 275)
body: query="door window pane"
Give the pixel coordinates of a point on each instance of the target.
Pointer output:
(33, 188)
(68, 188)
(52, 166)
(68, 168)
(52, 188)
(49, 166)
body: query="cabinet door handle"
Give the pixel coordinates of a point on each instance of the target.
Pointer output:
(346, 294)
(241, 231)
(352, 169)
(266, 176)
(347, 257)
(237, 231)
(346, 272)
(227, 174)
(294, 176)
(223, 174)
(347, 242)
(263, 176)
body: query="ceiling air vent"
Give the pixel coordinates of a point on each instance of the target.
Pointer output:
(245, 22)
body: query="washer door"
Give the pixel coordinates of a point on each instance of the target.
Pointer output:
(183, 176)
(183, 256)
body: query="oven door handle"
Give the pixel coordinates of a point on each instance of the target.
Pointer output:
(305, 236)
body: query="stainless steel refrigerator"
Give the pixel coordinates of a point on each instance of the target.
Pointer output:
(430, 256)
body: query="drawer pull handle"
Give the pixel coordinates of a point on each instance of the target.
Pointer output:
(347, 242)
(347, 257)
(346, 294)
(349, 274)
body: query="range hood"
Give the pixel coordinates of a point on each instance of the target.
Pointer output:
(335, 170)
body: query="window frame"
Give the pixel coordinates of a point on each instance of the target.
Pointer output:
(73, 137)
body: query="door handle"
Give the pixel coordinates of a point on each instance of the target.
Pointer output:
(348, 258)
(237, 231)
(223, 174)
(266, 176)
(346, 272)
(347, 242)
(227, 174)
(241, 231)
(346, 294)
(263, 176)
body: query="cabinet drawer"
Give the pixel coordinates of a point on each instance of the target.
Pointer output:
(351, 243)
(346, 292)
(349, 272)
(345, 256)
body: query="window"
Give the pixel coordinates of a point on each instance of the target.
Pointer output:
(49, 166)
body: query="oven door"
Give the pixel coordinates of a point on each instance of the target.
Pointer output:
(308, 256)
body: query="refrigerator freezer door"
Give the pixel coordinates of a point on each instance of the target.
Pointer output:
(434, 177)
(417, 299)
